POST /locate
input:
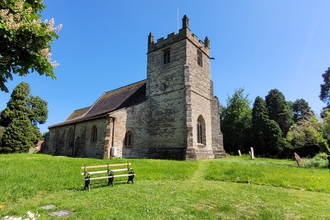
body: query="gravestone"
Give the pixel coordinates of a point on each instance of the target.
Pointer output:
(251, 153)
(298, 159)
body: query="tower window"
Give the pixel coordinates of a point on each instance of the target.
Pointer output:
(163, 87)
(201, 137)
(199, 58)
(166, 56)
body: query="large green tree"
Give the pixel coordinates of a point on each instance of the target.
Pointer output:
(236, 122)
(266, 135)
(20, 119)
(25, 40)
(301, 110)
(325, 87)
(279, 110)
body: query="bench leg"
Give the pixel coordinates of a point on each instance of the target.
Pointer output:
(87, 184)
(110, 181)
(130, 179)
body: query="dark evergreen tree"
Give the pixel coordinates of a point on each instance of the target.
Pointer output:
(279, 110)
(20, 119)
(325, 88)
(266, 135)
(301, 110)
(236, 122)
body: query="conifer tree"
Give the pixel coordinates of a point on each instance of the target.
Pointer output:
(279, 110)
(20, 119)
(266, 135)
(301, 110)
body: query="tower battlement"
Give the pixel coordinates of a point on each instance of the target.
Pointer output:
(184, 33)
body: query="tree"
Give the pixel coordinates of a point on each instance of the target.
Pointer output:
(278, 110)
(301, 110)
(25, 40)
(20, 119)
(306, 138)
(325, 87)
(236, 122)
(266, 134)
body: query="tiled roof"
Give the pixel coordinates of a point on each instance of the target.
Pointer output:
(109, 101)
(77, 113)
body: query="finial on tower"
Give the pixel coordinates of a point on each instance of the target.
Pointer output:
(185, 22)
(207, 42)
(150, 38)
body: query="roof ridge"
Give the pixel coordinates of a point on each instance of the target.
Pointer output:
(126, 85)
(83, 115)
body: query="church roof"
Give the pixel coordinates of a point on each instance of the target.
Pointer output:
(108, 102)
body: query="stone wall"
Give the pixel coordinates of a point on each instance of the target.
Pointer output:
(165, 90)
(134, 119)
(80, 133)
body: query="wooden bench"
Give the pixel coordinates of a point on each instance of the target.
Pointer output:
(107, 172)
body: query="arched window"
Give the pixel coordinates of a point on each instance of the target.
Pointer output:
(201, 137)
(93, 134)
(128, 139)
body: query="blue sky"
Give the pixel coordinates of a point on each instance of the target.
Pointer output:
(258, 45)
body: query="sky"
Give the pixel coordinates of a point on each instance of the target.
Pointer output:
(258, 45)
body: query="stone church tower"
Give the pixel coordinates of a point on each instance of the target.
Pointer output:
(173, 114)
(184, 118)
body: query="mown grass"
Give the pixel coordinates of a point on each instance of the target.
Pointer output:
(231, 188)
(280, 173)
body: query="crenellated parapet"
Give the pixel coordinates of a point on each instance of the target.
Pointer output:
(184, 33)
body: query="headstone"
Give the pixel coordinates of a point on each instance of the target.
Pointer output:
(239, 153)
(298, 159)
(251, 153)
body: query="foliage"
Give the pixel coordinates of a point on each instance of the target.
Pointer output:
(301, 110)
(20, 119)
(236, 122)
(266, 134)
(326, 124)
(325, 87)
(306, 139)
(153, 196)
(25, 40)
(2, 130)
(318, 161)
(278, 110)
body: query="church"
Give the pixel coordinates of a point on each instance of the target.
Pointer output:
(172, 114)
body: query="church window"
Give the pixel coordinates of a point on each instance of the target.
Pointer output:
(166, 56)
(199, 58)
(201, 138)
(70, 140)
(93, 134)
(57, 143)
(128, 139)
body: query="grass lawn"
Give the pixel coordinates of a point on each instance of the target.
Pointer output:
(231, 188)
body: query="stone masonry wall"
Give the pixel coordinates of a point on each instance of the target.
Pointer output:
(82, 132)
(134, 119)
(165, 89)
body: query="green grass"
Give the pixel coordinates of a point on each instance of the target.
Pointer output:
(231, 188)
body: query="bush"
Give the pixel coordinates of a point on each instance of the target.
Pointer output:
(319, 161)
